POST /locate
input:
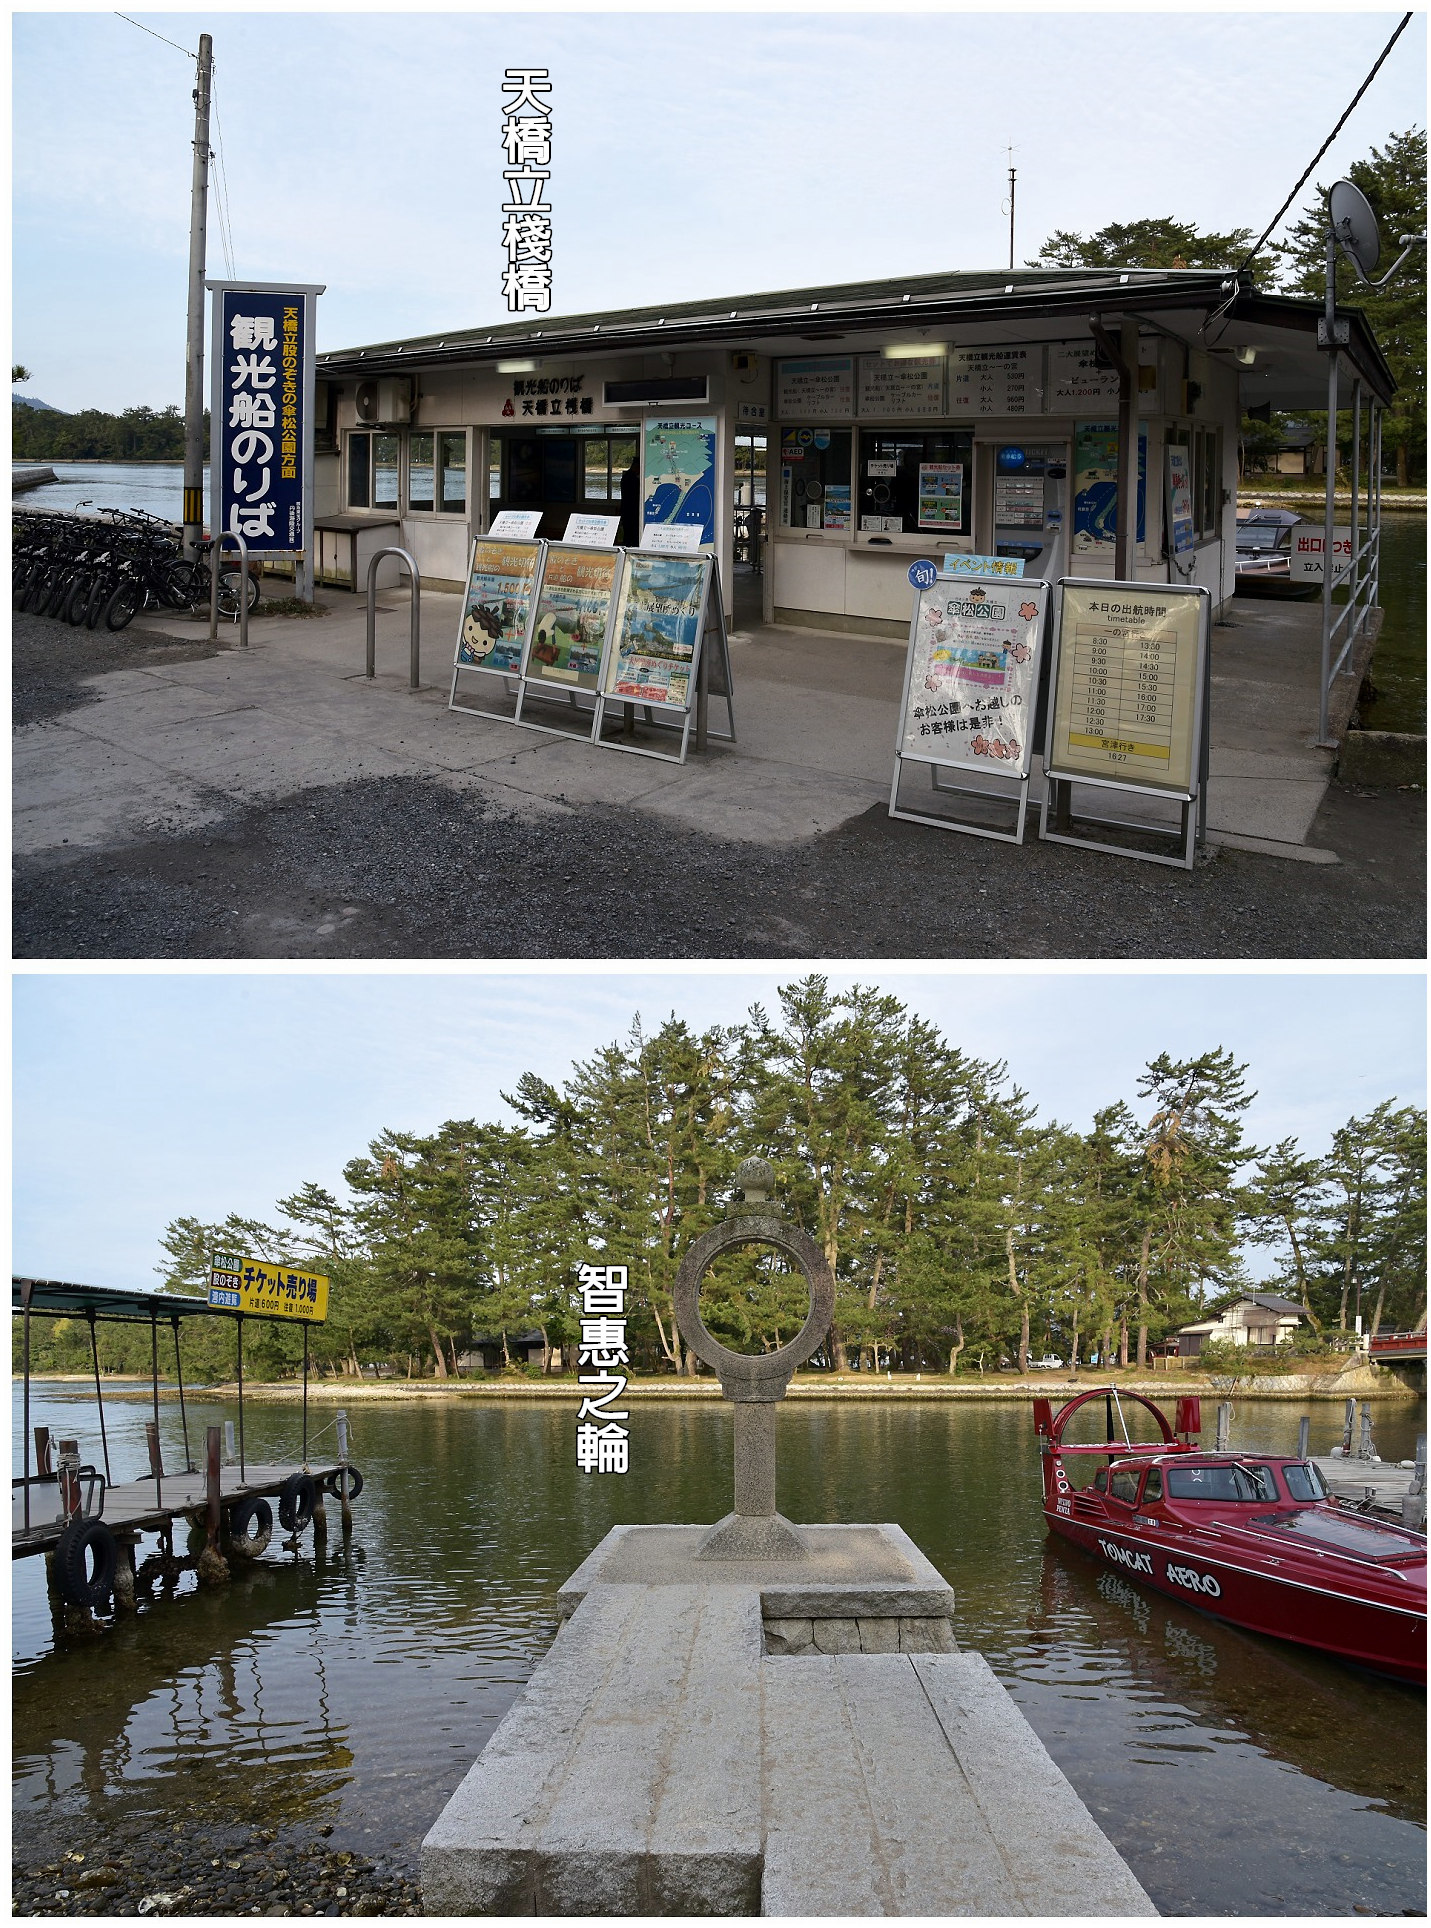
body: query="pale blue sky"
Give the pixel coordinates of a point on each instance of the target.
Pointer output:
(143, 1096)
(695, 154)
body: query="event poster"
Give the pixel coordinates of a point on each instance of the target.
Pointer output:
(573, 611)
(678, 471)
(658, 627)
(1125, 704)
(973, 674)
(941, 495)
(1180, 502)
(498, 605)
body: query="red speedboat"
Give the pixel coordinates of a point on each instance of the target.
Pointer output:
(1253, 1538)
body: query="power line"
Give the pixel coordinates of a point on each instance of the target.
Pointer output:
(157, 36)
(1406, 19)
(226, 233)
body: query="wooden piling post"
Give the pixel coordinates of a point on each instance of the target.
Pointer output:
(1366, 1448)
(44, 1453)
(69, 1478)
(211, 1566)
(229, 1442)
(1304, 1435)
(1349, 1429)
(344, 1503)
(1224, 1425)
(124, 1585)
(156, 1458)
(1418, 1478)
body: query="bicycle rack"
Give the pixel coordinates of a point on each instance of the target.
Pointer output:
(219, 542)
(415, 584)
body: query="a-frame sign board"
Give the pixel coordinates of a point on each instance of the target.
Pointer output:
(668, 654)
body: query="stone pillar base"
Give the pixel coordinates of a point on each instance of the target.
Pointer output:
(748, 1536)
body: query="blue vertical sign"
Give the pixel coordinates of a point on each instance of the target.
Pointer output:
(261, 430)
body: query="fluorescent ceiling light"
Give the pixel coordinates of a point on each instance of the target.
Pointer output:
(516, 367)
(907, 350)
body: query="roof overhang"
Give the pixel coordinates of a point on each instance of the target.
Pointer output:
(53, 1298)
(1212, 311)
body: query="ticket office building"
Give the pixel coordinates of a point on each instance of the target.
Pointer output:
(892, 420)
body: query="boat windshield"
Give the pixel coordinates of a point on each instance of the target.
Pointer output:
(1260, 536)
(1233, 1481)
(1304, 1482)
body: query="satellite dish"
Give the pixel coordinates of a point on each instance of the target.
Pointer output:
(1354, 227)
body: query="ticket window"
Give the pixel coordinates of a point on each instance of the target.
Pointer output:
(815, 479)
(915, 483)
(1029, 505)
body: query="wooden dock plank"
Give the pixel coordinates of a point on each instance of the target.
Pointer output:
(133, 1506)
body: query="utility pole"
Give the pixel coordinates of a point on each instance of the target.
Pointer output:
(194, 366)
(1013, 176)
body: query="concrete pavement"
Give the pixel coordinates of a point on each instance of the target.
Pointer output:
(173, 747)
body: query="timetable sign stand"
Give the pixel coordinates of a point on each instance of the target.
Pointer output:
(971, 681)
(668, 623)
(1129, 710)
(497, 612)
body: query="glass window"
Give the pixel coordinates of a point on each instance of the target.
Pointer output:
(1154, 1488)
(1238, 1483)
(912, 483)
(623, 454)
(360, 456)
(1124, 1484)
(494, 469)
(385, 472)
(597, 475)
(1207, 482)
(750, 470)
(1305, 1482)
(419, 471)
(452, 472)
(815, 478)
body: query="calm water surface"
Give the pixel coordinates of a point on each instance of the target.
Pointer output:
(1237, 1775)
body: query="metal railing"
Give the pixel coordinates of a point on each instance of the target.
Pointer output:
(214, 557)
(415, 586)
(1344, 625)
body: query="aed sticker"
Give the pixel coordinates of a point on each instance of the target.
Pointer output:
(1125, 1557)
(1186, 1576)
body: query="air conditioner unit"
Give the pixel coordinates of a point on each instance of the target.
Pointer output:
(387, 402)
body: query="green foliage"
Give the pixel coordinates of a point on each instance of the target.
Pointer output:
(1393, 179)
(138, 435)
(1161, 242)
(960, 1226)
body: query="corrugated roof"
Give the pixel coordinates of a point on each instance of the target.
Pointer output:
(56, 1298)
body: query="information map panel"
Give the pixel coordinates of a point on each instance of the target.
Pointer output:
(972, 678)
(1127, 680)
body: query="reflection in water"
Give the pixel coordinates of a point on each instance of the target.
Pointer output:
(355, 1689)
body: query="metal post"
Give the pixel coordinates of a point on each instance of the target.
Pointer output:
(243, 1472)
(305, 1396)
(215, 557)
(183, 1415)
(26, 1288)
(1304, 1435)
(98, 1395)
(194, 362)
(154, 1354)
(229, 1441)
(1366, 1448)
(1329, 516)
(414, 622)
(1224, 1425)
(1355, 520)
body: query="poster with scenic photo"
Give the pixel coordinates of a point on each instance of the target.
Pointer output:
(972, 685)
(498, 606)
(658, 629)
(573, 613)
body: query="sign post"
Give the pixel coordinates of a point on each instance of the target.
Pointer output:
(261, 424)
(971, 681)
(1128, 710)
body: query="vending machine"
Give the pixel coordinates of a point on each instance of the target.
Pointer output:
(1031, 506)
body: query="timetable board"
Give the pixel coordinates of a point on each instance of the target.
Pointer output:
(1128, 685)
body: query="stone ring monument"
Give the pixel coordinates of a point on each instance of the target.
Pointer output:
(754, 1382)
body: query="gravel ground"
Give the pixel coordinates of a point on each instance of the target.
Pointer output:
(400, 867)
(406, 867)
(147, 1865)
(50, 660)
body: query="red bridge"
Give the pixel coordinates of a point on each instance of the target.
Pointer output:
(1399, 1345)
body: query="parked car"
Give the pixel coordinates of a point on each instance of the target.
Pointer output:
(1050, 1362)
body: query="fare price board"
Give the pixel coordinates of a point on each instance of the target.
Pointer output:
(267, 1291)
(1128, 681)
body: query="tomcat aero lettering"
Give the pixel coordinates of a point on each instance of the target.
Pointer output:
(1184, 1576)
(1124, 1556)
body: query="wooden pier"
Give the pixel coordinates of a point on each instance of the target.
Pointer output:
(150, 1506)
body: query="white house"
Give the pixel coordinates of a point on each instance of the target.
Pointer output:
(1257, 1319)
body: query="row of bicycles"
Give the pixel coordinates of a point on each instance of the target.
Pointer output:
(101, 569)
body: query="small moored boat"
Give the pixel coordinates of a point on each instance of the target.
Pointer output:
(1253, 1538)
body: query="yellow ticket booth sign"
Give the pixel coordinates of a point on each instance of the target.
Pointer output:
(267, 1291)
